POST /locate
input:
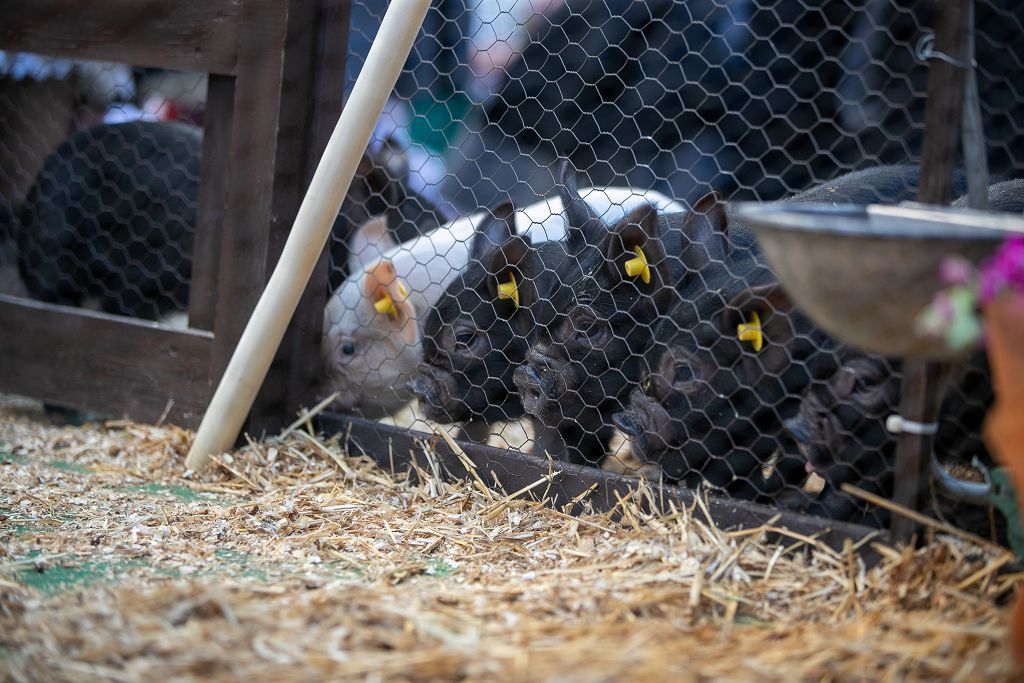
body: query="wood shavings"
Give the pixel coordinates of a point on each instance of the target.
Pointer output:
(299, 560)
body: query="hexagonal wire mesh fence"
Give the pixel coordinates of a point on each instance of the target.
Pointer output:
(632, 324)
(97, 189)
(536, 249)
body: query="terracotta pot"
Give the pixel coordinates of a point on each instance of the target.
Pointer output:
(1004, 424)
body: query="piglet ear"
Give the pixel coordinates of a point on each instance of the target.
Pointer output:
(376, 179)
(392, 169)
(497, 228)
(389, 298)
(705, 230)
(761, 319)
(511, 272)
(368, 243)
(634, 252)
(582, 226)
(394, 159)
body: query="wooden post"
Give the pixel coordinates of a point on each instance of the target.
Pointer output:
(113, 365)
(307, 104)
(945, 106)
(920, 393)
(263, 333)
(210, 211)
(257, 170)
(298, 366)
(299, 360)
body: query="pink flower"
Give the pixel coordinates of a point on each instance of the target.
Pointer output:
(955, 270)
(953, 314)
(1005, 270)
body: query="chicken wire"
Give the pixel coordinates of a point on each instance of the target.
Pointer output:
(99, 177)
(573, 344)
(99, 184)
(656, 102)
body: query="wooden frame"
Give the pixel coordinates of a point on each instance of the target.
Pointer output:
(276, 74)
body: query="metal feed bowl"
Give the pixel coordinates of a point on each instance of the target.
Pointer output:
(864, 273)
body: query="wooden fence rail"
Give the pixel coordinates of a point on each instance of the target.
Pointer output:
(276, 77)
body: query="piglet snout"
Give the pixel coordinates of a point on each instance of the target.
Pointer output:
(798, 429)
(627, 424)
(648, 426)
(647, 414)
(423, 389)
(536, 379)
(438, 394)
(801, 434)
(536, 360)
(528, 382)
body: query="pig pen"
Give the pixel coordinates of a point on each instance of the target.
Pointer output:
(384, 549)
(300, 560)
(748, 102)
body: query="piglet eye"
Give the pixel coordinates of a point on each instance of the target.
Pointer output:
(348, 348)
(861, 382)
(589, 329)
(464, 339)
(683, 374)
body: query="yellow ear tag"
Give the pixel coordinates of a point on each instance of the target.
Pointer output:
(751, 331)
(386, 305)
(638, 266)
(509, 290)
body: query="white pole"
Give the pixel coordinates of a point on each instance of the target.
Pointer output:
(263, 333)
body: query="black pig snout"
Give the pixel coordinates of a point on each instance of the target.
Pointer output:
(816, 431)
(529, 382)
(424, 389)
(647, 424)
(798, 429)
(541, 362)
(435, 390)
(536, 377)
(648, 413)
(627, 424)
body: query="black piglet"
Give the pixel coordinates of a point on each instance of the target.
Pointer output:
(476, 333)
(611, 286)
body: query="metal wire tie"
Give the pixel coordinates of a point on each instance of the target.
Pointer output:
(925, 50)
(897, 424)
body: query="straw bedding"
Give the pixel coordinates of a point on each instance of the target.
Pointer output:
(294, 561)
